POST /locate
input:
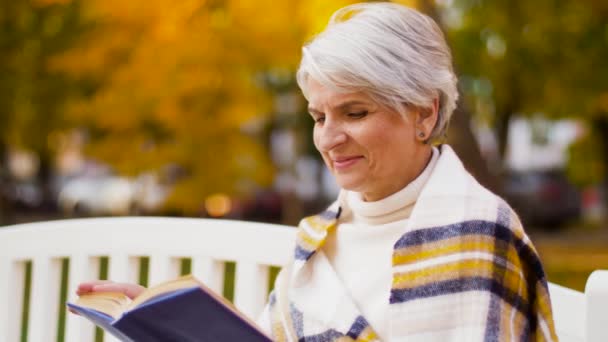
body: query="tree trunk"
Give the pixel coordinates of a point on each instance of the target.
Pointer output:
(5, 210)
(45, 177)
(600, 125)
(502, 134)
(463, 141)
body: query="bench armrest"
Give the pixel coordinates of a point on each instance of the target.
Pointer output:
(596, 293)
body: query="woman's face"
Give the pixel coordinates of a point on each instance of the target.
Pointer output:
(369, 148)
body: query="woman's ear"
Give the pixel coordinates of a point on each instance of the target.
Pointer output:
(426, 118)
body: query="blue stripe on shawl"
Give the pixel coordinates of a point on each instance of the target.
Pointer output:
(297, 317)
(330, 215)
(302, 254)
(475, 227)
(357, 327)
(457, 286)
(492, 332)
(327, 336)
(530, 259)
(533, 270)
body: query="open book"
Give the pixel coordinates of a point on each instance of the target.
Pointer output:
(178, 310)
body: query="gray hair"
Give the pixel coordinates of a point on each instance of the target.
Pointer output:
(395, 54)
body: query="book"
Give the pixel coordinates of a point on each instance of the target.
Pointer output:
(178, 310)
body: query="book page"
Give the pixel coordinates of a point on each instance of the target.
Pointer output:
(112, 304)
(162, 288)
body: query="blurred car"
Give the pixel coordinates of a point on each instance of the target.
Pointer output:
(105, 195)
(542, 198)
(111, 195)
(22, 194)
(149, 194)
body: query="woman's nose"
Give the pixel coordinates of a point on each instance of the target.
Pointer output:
(329, 136)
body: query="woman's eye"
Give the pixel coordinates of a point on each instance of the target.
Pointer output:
(319, 119)
(358, 114)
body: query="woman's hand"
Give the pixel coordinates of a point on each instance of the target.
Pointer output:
(130, 290)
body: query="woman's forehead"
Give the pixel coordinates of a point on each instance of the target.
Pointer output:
(320, 95)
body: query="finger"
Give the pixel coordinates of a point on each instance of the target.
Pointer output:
(87, 287)
(130, 290)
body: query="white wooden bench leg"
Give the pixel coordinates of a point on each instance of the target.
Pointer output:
(46, 279)
(596, 293)
(82, 268)
(251, 287)
(12, 289)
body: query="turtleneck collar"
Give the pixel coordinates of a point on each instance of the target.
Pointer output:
(397, 206)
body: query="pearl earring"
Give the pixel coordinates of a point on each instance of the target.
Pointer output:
(421, 134)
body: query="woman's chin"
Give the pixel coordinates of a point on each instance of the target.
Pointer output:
(350, 183)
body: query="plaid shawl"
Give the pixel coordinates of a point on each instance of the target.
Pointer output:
(463, 270)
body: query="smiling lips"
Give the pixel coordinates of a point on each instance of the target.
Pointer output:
(344, 163)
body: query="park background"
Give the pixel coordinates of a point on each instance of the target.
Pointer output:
(190, 108)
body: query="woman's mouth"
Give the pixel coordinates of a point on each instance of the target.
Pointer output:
(344, 163)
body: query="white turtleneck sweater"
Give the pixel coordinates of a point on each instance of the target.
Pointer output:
(361, 247)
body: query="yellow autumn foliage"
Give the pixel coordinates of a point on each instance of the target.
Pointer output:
(175, 84)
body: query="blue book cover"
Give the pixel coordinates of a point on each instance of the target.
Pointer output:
(187, 314)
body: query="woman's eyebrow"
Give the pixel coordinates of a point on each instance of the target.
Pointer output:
(340, 106)
(350, 103)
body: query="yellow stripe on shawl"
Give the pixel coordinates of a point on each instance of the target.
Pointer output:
(459, 244)
(320, 226)
(455, 270)
(278, 331)
(367, 335)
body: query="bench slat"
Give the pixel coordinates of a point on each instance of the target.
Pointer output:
(123, 268)
(251, 287)
(82, 267)
(162, 268)
(44, 299)
(209, 271)
(12, 290)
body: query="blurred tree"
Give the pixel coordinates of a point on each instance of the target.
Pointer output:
(182, 86)
(528, 57)
(32, 95)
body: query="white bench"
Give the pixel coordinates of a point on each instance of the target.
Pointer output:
(208, 244)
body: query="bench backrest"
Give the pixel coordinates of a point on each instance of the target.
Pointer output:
(34, 264)
(42, 248)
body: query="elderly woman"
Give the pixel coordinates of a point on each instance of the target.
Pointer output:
(414, 249)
